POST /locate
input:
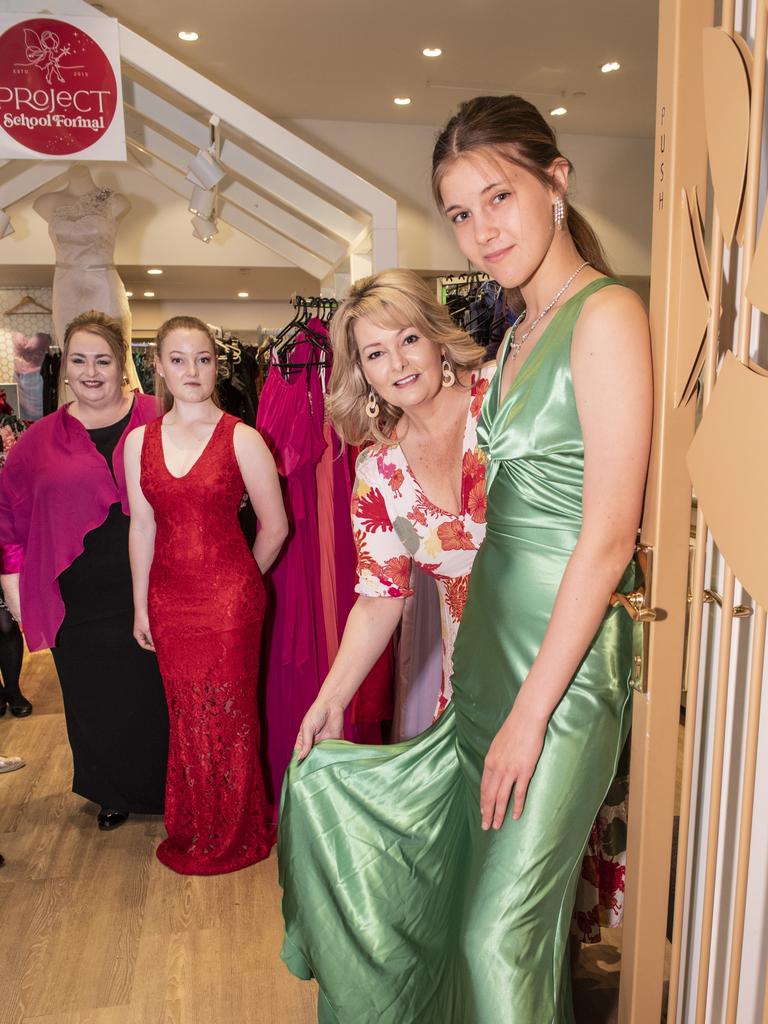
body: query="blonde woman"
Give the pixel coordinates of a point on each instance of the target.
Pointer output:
(407, 378)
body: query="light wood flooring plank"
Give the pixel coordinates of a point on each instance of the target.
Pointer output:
(97, 931)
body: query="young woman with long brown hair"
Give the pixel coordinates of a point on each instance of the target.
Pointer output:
(440, 878)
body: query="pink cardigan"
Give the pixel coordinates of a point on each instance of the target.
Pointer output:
(54, 489)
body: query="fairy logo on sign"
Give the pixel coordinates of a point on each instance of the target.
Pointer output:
(45, 52)
(58, 92)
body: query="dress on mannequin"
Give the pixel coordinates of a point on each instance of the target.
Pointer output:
(82, 222)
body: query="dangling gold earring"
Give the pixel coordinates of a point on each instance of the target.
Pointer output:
(372, 405)
(125, 378)
(449, 377)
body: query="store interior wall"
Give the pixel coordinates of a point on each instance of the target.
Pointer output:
(612, 187)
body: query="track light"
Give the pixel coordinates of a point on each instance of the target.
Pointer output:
(203, 228)
(6, 228)
(204, 170)
(202, 201)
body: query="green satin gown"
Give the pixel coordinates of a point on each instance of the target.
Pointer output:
(398, 903)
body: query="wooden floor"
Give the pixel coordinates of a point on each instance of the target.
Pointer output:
(96, 931)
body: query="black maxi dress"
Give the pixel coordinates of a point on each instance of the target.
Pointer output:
(114, 703)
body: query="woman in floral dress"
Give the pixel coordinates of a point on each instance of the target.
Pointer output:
(407, 378)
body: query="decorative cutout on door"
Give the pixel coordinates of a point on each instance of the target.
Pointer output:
(726, 109)
(730, 478)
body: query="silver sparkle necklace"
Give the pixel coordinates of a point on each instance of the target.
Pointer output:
(516, 345)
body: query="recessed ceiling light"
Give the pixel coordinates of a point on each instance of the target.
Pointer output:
(612, 65)
(154, 270)
(242, 295)
(402, 101)
(129, 295)
(432, 51)
(189, 37)
(558, 112)
(149, 295)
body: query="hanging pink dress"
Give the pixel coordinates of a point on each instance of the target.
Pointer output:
(290, 419)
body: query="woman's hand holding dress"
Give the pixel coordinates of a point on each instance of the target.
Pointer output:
(322, 722)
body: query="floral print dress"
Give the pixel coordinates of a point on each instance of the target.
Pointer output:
(396, 526)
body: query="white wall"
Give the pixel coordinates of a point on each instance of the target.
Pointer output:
(612, 187)
(155, 230)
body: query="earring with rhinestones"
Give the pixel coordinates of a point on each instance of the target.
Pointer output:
(66, 380)
(558, 209)
(372, 405)
(449, 377)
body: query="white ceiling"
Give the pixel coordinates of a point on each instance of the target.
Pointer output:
(344, 60)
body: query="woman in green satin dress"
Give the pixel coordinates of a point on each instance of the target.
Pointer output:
(432, 882)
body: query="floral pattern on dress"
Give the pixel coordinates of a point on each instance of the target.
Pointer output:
(396, 526)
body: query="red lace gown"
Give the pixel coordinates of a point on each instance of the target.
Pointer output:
(206, 608)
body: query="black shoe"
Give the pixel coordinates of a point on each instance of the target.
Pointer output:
(109, 819)
(2, 860)
(2, 704)
(19, 706)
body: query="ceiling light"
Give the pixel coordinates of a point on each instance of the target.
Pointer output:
(558, 112)
(202, 201)
(149, 295)
(242, 295)
(402, 101)
(432, 51)
(204, 171)
(129, 295)
(6, 228)
(203, 228)
(612, 65)
(189, 37)
(154, 271)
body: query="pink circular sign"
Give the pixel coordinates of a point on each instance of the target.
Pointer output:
(58, 93)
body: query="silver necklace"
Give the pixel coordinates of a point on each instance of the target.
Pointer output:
(514, 344)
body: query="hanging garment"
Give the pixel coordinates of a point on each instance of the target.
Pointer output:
(290, 419)
(398, 903)
(420, 659)
(206, 608)
(367, 718)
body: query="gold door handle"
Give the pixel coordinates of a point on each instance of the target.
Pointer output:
(740, 611)
(635, 606)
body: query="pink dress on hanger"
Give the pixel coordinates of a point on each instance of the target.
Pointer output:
(290, 419)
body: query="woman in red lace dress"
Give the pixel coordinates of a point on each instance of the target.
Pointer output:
(199, 602)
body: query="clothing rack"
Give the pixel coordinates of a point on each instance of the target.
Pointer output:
(477, 305)
(308, 324)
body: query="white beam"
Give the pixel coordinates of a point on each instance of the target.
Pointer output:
(261, 209)
(29, 180)
(176, 182)
(169, 117)
(267, 133)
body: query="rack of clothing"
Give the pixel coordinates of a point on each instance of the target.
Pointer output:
(478, 305)
(311, 587)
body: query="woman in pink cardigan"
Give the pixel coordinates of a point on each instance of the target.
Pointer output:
(66, 575)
